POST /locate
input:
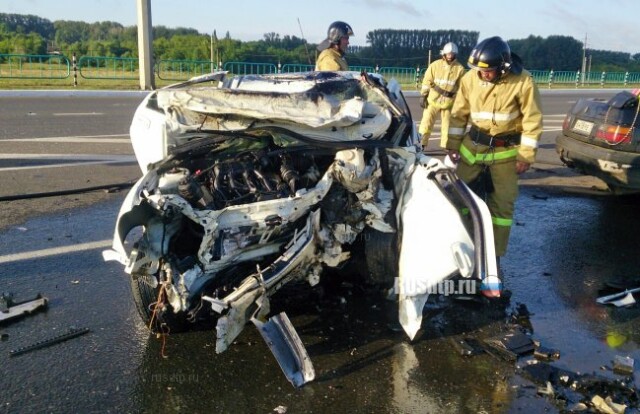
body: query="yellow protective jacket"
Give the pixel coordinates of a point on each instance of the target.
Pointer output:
(509, 106)
(331, 59)
(441, 76)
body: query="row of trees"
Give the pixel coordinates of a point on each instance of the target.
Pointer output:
(28, 34)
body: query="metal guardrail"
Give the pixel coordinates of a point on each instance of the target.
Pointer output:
(248, 68)
(402, 75)
(99, 67)
(34, 66)
(178, 70)
(52, 66)
(294, 67)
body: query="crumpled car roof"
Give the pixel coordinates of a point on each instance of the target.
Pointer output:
(326, 105)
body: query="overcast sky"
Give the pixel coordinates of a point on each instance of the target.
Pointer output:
(609, 25)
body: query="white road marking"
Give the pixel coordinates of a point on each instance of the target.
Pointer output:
(74, 140)
(37, 254)
(71, 164)
(90, 139)
(71, 157)
(71, 160)
(77, 113)
(435, 135)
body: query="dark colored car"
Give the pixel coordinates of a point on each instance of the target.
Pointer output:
(602, 139)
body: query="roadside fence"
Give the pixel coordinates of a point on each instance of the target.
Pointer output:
(56, 66)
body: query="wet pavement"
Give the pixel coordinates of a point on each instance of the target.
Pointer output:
(570, 241)
(565, 248)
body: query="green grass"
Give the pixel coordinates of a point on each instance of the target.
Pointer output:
(16, 83)
(83, 84)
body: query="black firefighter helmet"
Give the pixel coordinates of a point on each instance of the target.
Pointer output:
(494, 53)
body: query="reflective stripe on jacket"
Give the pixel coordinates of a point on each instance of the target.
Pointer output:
(444, 75)
(331, 59)
(510, 105)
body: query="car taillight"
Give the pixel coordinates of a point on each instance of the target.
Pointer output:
(565, 124)
(614, 134)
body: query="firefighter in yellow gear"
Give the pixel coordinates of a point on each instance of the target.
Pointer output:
(333, 48)
(500, 103)
(439, 87)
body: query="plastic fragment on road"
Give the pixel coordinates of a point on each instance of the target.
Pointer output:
(546, 390)
(623, 365)
(607, 406)
(468, 346)
(510, 345)
(11, 310)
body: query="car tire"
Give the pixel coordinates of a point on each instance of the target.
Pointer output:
(145, 297)
(381, 253)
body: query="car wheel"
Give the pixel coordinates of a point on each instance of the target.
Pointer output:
(145, 297)
(381, 253)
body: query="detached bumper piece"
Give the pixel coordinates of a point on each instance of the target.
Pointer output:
(287, 347)
(11, 310)
(252, 298)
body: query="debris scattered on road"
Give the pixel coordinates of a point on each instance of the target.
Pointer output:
(11, 310)
(510, 345)
(468, 346)
(72, 333)
(571, 388)
(607, 406)
(623, 365)
(546, 354)
(521, 317)
(547, 390)
(624, 298)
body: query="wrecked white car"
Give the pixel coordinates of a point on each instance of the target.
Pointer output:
(254, 182)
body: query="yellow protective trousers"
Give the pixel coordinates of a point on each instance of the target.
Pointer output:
(501, 162)
(429, 116)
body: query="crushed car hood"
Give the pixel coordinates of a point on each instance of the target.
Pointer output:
(322, 106)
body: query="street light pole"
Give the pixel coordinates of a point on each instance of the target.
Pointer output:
(211, 47)
(584, 58)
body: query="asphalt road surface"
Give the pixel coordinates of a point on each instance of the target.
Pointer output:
(570, 240)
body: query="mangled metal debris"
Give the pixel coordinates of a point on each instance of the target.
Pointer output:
(286, 346)
(620, 299)
(572, 390)
(10, 310)
(268, 180)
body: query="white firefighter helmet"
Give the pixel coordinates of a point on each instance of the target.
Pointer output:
(449, 48)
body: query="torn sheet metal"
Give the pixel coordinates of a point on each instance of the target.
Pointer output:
(287, 347)
(435, 245)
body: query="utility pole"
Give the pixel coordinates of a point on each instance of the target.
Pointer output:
(211, 56)
(145, 45)
(584, 58)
